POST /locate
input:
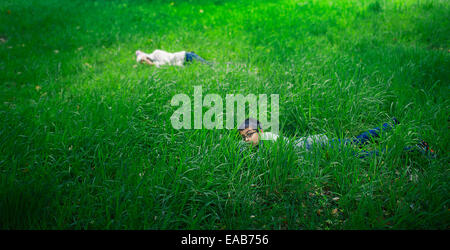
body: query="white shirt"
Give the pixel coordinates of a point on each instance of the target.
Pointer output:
(161, 57)
(269, 136)
(302, 142)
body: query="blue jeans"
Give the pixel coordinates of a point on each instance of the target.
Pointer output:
(191, 56)
(322, 140)
(363, 139)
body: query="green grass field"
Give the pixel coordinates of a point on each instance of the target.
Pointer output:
(86, 140)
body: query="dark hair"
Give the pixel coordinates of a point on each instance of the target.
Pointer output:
(250, 123)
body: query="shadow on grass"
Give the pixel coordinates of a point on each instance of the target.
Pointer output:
(26, 204)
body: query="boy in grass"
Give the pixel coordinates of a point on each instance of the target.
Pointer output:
(161, 57)
(251, 132)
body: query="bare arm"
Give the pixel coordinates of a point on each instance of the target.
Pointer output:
(147, 61)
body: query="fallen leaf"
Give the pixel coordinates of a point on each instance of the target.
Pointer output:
(334, 211)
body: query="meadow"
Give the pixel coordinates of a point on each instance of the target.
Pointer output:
(86, 140)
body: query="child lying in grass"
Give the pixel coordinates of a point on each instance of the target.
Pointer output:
(161, 57)
(251, 132)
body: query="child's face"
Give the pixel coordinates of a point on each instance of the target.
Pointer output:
(250, 135)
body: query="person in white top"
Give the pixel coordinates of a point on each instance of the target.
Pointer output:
(251, 132)
(161, 57)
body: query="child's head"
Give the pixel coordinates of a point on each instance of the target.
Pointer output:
(139, 56)
(249, 130)
(142, 57)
